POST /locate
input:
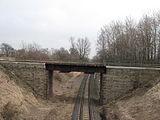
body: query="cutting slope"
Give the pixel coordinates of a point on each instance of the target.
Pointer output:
(18, 103)
(143, 104)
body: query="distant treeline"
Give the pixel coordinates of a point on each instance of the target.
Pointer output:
(78, 52)
(129, 41)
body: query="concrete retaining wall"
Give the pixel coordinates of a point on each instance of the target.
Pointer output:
(33, 74)
(118, 82)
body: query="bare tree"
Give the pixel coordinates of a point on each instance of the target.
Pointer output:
(7, 50)
(129, 41)
(73, 50)
(102, 45)
(32, 52)
(61, 54)
(83, 48)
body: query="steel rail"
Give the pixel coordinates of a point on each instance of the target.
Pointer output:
(77, 110)
(86, 104)
(93, 98)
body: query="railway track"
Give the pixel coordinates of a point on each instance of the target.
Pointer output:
(93, 98)
(85, 107)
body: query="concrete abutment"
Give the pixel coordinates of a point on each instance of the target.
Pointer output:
(118, 82)
(34, 75)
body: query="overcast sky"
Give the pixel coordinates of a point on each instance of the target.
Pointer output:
(50, 23)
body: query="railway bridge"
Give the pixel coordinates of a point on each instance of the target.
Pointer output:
(73, 67)
(115, 81)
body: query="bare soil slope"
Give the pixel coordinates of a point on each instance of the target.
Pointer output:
(143, 105)
(17, 103)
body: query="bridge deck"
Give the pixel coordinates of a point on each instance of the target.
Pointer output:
(77, 67)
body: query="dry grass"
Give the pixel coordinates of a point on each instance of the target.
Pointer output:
(17, 103)
(7, 58)
(142, 104)
(11, 112)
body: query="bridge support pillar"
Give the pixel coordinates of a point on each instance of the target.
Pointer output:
(102, 77)
(50, 84)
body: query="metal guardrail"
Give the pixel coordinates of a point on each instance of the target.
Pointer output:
(133, 68)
